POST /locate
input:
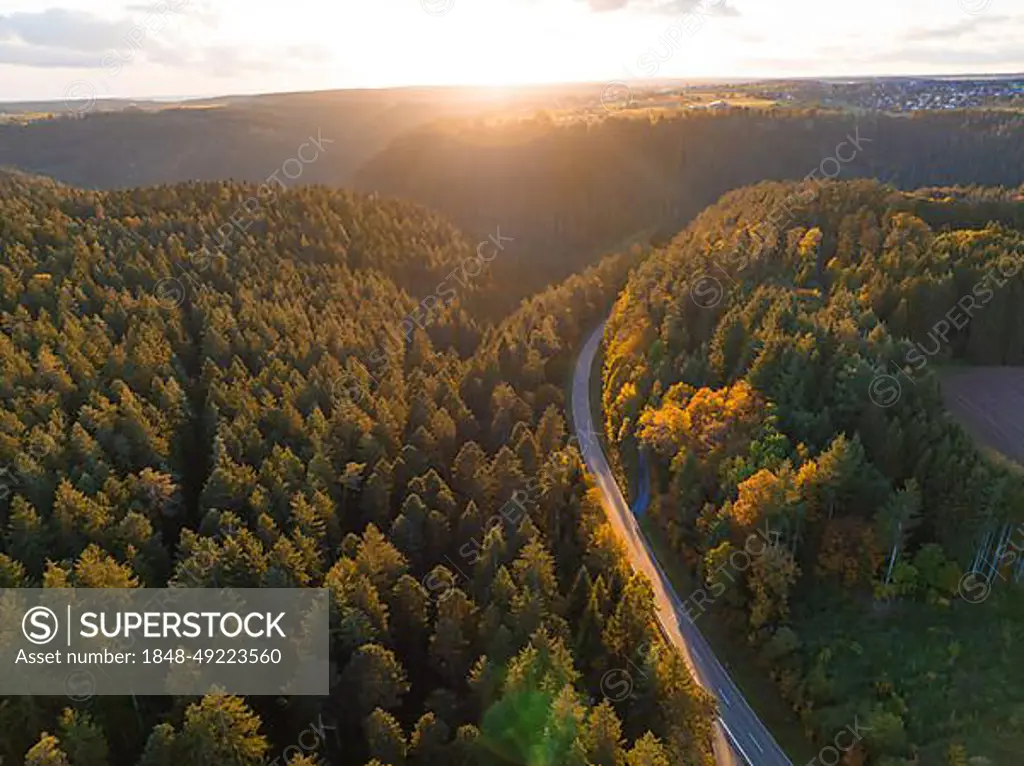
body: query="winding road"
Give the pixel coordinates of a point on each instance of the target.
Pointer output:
(749, 741)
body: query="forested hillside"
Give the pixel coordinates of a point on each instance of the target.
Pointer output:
(240, 138)
(258, 410)
(777, 361)
(570, 188)
(566, 189)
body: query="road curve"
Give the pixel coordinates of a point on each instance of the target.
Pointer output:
(749, 740)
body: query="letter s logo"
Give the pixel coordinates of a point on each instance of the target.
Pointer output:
(39, 625)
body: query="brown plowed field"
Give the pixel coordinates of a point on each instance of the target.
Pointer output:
(989, 402)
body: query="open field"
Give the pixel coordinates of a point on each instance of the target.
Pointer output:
(989, 402)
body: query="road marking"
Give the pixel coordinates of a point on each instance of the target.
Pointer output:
(735, 742)
(694, 644)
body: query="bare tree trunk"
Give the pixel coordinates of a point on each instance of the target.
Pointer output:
(997, 554)
(895, 550)
(981, 552)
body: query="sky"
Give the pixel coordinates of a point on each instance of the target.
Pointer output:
(179, 48)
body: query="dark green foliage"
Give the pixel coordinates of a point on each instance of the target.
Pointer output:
(565, 190)
(763, 410)
(269, 422)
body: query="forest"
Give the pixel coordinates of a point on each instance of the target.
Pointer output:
(570, 188)
(203, 383)
(741, 359)
(231, 431)
(100, 146)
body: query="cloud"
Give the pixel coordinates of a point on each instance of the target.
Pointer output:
(201, 11)
(959, 30)
(59, 28)
(59, 37)
(230, 61)
(666, 7)
(43, 57)
(1000, 57)
(972, 44)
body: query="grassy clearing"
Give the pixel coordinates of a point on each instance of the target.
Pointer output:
(952, 667)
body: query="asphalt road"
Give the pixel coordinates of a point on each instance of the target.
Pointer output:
(749, 740)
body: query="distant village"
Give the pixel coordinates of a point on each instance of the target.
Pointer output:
(593, 104)
(904, 95)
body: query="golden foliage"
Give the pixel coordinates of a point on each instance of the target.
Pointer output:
(760, 495)
(849, 550)
(713, 423)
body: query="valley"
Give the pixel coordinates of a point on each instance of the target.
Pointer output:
(355, 379)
